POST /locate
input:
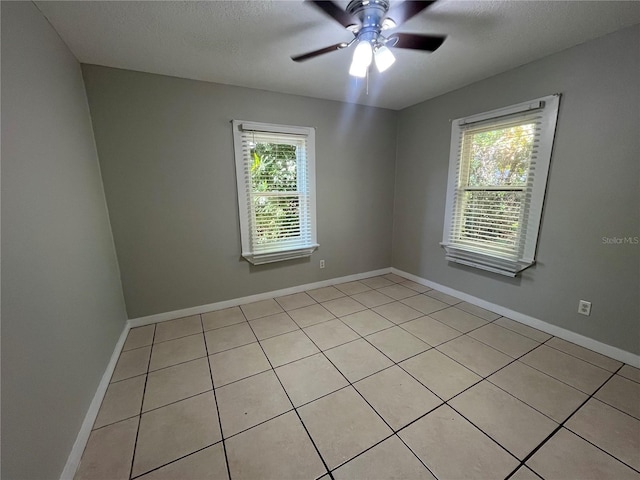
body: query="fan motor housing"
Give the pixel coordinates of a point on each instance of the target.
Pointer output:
(371, 13)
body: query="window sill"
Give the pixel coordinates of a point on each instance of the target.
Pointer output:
(483, 261)
(279, 255)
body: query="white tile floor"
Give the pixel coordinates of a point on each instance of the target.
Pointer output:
(376, 379)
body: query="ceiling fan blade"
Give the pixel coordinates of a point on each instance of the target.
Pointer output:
(406, 10)
(416, 41)
(315, 53)
(334, 11)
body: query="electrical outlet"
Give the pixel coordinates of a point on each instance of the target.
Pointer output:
(321, 263)
(584, 307)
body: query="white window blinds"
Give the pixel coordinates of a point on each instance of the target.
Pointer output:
(497, 179)
(276, 191)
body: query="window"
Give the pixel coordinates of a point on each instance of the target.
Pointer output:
(497, 179)
(275, 171)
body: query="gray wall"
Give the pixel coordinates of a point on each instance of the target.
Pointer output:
(592, 191)
(62, 305)
(166, 153)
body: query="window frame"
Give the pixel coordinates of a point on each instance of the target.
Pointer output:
(245, 211)
(508, 265)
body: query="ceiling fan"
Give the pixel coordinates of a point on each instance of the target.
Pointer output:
(367, 20)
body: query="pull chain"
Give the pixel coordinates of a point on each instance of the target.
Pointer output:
(367, 87)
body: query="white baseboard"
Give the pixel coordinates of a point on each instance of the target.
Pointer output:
(161, 317)
(568, 335)
(73, 461)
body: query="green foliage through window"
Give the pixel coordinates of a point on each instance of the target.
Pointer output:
(274, 185)
(493, 184)
(501, 157)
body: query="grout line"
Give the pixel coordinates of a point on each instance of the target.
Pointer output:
(532, 471)
(115, 370)
(144, 391)
(160, 342)
(272, 336)
(614, 407)
(433, 311)
(295, 410)
(441, 398)
(440, 300)
(125, 379)
(508, 331)
(504, 353)
(305, 293)
(627, 378)
(178, 401)
(378, 331)
(414, 453)
(394, 362)
(215, 397)
(523, 325)
(323, 395)
(351, 384)
(342, 295)
(556, 378)
(401, 301)
(486, 377)
(446, 402)
(562, 424)
(292, 361)
(587, 361)
(243, 378)
(523, 401)
(113, 423)
(177, 460)
(483, 378)
(262, 422)
(437, 345)
(223, 326)
(414, 290)
(602, 449)
(124, 347)
(178, 363)
(339, 344)
(484, 433)
(317, 323)
(433, 346)
(340, 465)
(366, 339)
(490, 320)
(539, 371)
(232, 348)
(154, 409)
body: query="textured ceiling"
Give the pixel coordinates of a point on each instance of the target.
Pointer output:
(249, 43)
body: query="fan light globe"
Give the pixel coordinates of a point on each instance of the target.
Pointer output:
(363, 54)
(356, 70)
(384, 58)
